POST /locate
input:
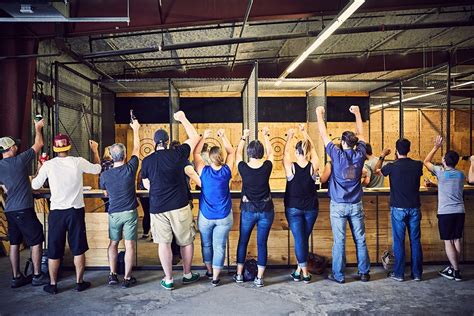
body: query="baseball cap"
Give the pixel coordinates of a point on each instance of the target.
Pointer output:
(161, 136)
(61, 143)
(7, 142)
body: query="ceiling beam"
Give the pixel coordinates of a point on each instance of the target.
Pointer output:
(319, 67)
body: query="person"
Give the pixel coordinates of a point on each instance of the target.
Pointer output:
(345, 192)
(256, 206)
(451, 211)
(118, 184)
(470, 176)
(404, 175)
(301, 198)
(205, 153)
(67, 215)
(373, 178)
(23, 224)
(215, 204)
(106, 163)
(170, 212)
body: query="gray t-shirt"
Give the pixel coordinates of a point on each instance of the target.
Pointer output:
(376, 181)
(14, 176)
(450, 190)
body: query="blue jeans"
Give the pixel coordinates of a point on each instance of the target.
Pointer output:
(214, 233)
(248, 220)
(403, 219)
(301, 225)
(341, 213)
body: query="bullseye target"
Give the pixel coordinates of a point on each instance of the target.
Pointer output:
(213, 142)
(147, 146)
(278, 145)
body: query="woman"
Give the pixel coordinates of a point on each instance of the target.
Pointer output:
(215, 204)
(256, 205)
(301, 199)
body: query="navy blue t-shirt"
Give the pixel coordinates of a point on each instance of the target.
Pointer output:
(165, 170)
(344, 183)
(119, 183)
(14, 175)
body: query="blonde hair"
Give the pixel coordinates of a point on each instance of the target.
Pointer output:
(107, 155)
(303, 147)
(216, 156)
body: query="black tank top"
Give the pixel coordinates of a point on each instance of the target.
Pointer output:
(301, 191)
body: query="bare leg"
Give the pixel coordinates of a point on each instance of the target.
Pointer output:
(305, 271)
(15, 260)
(53, 265)
(80, 264)
(215, 274)
(208, 267)
(458, 245)
(36, 253)
(240, 269)
(187, 253)
(452, 253)
(166, 258)
(129, 256)
(113, 253)
(261, 270)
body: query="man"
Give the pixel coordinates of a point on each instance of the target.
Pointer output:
(374, 179)
(23, 224)
(450, 207)
(404, 175)
(119, 185)
(345, 191)
(64, 174)
(163, 175)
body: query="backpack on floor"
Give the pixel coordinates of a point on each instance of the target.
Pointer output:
(250, 270)
(316, 263)
(121, 263)
(28, 267)
(44, 263)
(388, 260)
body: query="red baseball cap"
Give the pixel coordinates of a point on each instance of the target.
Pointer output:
(61, 143)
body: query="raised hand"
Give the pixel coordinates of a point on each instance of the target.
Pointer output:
(246, 133)
(354, 109)
(266, 131)
(438, 141)
(207, 133)
(179, 116)
(290, 133)
(386, 152)
(301, 127)
(93, 145)
(221, 132)
(135, 125)
(320, 110)
(39, 124)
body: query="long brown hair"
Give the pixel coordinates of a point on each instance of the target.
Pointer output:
(216, 156)
(303, 147)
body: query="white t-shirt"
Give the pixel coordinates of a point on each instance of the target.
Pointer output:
(65, 180)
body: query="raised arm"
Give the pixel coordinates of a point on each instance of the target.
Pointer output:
(193, 136)
(135, 125)
(313, 153)
(240, 147)
(322, 126)
(38, 136)
(379, 163)
(230, 158)
(268, 144)
(358, 124)
(470, 175)
(326, 173)
(437, 145)
(287, 154)
(191, 173)
(95, 151)
(199, 163)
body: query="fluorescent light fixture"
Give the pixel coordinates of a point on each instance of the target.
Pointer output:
(325, 33)
(278, 82)
(463, 84)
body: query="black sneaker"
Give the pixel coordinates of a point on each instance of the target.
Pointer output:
(364, 277)
(332, 278)
(457, 275)
(296, 277)
(20, 281)
(84, 285)
(40, 279)
(238, 278)
(209, 275)
(51, 289)
(128, 282)
(113, 279)
(215, 283)
(447, 273)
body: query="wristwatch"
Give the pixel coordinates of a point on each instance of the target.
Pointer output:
(381, 158)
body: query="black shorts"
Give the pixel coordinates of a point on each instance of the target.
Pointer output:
(24, 225)
(71, 221)
(451, 226)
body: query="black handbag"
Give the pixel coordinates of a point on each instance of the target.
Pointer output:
(250, 270)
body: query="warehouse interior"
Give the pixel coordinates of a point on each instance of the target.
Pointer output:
(84, 65)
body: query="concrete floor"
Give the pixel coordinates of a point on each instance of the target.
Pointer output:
(280, 296)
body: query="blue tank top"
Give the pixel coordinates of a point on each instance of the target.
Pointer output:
(215, 201)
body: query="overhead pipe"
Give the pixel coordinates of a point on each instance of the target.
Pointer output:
(231, 41)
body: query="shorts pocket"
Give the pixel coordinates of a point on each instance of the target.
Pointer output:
(185, 214)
